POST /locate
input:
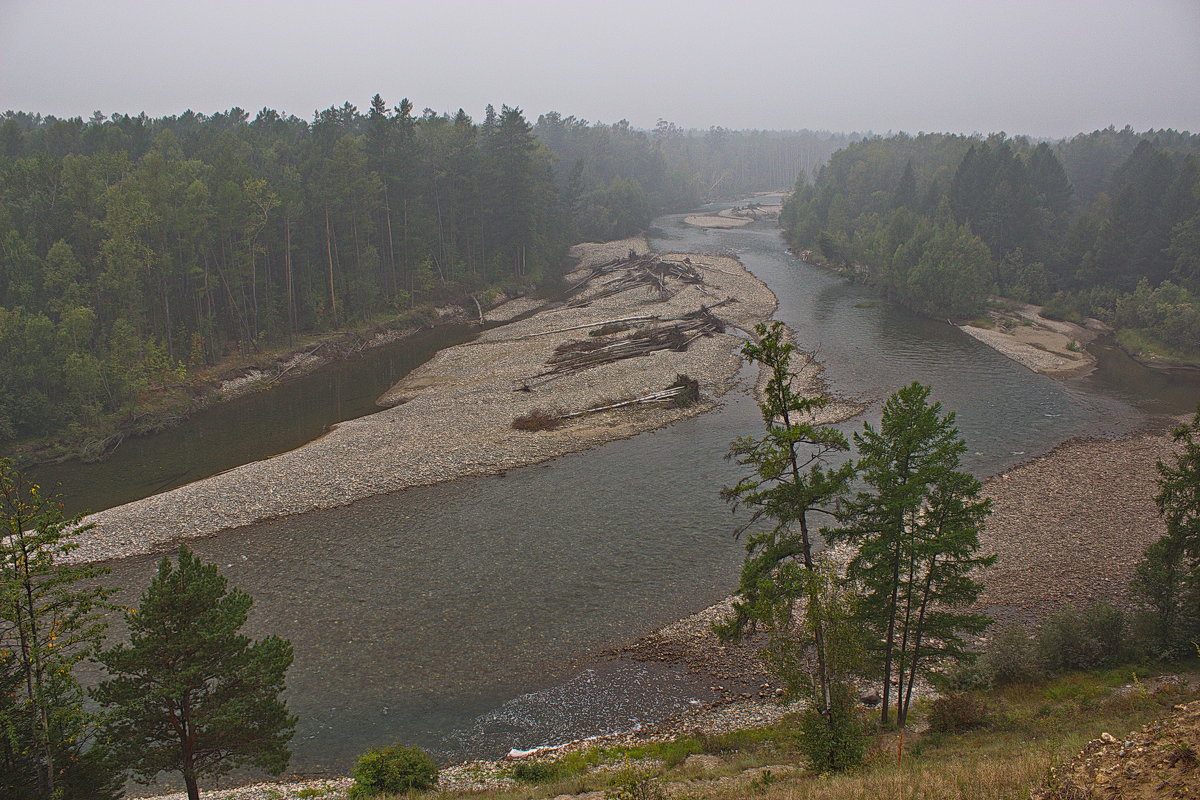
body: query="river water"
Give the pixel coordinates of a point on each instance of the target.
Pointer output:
(253, 427)
(468, 617)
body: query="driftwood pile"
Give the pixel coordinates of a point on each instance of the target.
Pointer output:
(649, 271)
(577, 355)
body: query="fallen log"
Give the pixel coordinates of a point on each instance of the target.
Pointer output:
(574, 356)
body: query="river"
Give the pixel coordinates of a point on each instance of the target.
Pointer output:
(468, 617)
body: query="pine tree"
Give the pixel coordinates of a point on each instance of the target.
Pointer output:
(916, 531)
(190, 693)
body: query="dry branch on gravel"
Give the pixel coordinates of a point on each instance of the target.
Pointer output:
(538, 419)
(684, 392)
(638, 272)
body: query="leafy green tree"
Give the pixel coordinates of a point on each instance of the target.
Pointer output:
(190, 693)
(50, 620)
(792, 479)
(915, 527)
(1168, 577)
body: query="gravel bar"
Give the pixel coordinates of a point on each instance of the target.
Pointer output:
(452, 417)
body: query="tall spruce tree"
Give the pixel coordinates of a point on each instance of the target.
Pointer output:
(915, 527)
(190, 693)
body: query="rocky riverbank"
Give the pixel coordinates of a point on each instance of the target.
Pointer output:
(1070, 527)
(453, 416)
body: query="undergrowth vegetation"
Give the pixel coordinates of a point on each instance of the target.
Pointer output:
(997, 743)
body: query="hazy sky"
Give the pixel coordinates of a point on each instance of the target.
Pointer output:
(1047, 68)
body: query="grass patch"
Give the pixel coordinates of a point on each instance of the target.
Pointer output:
(982, 322)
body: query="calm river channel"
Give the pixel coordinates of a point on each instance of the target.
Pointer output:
(470, 617)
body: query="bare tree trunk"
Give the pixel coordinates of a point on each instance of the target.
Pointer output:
(890, 642)
(387, 210)
(31, 661)
(819, 627)
(903, 650)
(287, 268)
(187, 740)
(329, 253)
(902, 714)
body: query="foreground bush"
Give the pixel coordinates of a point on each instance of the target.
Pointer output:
(832, 748)
(536, 771)
(1071, 639)
(955, 713)
(392, 770)
(1011, 658)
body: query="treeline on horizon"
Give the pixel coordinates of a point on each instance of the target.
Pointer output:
(135, 252)
(1104, 224)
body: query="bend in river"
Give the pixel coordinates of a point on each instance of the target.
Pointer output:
(458, 616)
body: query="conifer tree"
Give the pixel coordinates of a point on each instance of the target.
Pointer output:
(916, 529)
(1168, 577)
(189, 693)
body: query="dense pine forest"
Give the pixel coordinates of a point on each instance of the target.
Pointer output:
(136, 252)
(1105, 224)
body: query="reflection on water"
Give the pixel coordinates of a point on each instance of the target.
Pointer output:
(419, 616)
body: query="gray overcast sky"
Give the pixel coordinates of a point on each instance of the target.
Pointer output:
(1047, 68)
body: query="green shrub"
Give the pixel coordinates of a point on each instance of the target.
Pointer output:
(635, 784)
(835, 748)
(392, 770)
(958, 712)
(536, 771)
(1071, 639)
(963, 675)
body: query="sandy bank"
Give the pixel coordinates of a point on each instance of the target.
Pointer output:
(734, 217)
(1051, 347)
(453, 415)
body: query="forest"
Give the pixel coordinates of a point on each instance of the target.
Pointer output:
(136, 252)
(1105, 224)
